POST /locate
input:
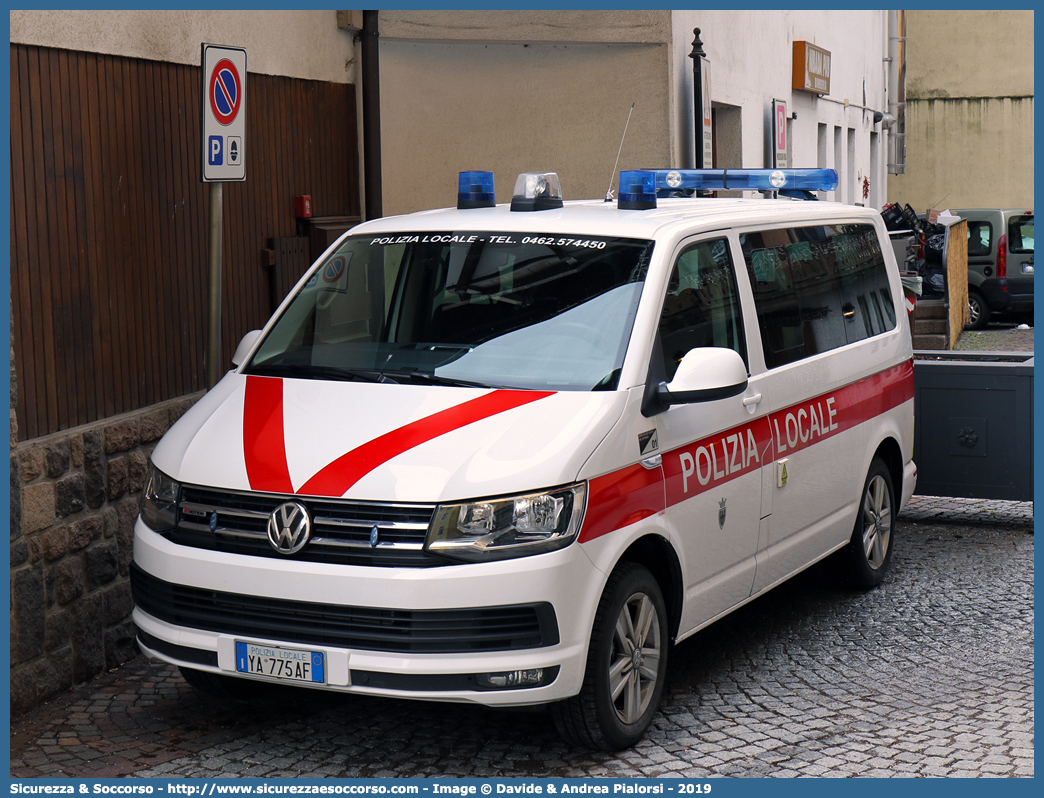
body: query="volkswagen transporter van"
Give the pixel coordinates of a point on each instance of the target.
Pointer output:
(510, 454)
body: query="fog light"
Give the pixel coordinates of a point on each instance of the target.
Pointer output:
(533, 677)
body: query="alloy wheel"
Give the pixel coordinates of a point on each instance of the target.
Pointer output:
(877, 521)
(635, 661)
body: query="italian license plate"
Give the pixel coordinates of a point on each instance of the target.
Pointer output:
(286, 664)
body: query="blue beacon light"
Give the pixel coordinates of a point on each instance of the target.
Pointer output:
(637, 190)
(475, 190)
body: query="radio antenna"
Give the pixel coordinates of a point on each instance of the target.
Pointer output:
(609, 191)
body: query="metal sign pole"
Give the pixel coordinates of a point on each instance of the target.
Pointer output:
(214, 237)
(224, 72)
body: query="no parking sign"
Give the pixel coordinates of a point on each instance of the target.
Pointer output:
(224, 113)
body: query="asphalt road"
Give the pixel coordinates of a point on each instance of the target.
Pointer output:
(931, 674)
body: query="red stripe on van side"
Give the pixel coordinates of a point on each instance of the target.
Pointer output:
(263, 444)
(621, 498)
(806, 423)
(628, 495)
(704, 464)
(336, 478)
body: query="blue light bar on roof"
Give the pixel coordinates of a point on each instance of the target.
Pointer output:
(744, 179)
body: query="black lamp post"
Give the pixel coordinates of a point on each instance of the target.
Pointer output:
(697, 55)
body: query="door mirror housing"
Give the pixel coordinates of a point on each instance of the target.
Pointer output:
(246, 343)
(704, 374)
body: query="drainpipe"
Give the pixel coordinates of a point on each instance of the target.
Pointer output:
(897, 92)
(371, 101)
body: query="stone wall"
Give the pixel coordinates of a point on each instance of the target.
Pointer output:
(74, 500)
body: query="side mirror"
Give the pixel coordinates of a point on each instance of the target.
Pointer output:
(245, 345)
(704, 374)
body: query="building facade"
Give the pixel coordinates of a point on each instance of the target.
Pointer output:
(969, 111)
(520, 91)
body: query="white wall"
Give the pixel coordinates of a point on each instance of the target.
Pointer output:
(751, 59)
(297, 44)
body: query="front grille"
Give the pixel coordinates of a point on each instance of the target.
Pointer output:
(453, 631)
(340, 529)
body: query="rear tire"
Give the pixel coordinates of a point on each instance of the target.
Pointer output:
(978, 311)
(626, 665)
(217, 685)
(870, 549)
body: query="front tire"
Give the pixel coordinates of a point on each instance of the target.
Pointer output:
(870, 549)
(626, 665)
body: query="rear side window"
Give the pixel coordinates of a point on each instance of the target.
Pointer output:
(1020, 234)
(980, 238)
(817, 289)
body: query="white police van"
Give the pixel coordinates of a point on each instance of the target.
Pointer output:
(509, 454)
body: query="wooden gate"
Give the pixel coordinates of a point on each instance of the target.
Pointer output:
(109, 223)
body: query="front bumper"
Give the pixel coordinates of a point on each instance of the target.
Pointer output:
(558, 592)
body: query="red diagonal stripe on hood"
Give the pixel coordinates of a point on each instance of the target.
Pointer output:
(336, 478)
(263, 444)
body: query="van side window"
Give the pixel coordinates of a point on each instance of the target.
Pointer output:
(701, 307)
(980, 236)
(817, 289)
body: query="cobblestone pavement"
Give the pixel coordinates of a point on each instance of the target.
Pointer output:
(929, 675)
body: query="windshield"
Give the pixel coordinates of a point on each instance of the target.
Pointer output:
(504, 310)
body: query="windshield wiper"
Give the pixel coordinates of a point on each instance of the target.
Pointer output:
(303, 371)
(433, 379)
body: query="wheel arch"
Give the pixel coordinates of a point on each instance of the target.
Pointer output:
(892, 455)
(655, 553)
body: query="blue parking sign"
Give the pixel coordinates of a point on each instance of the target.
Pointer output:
(215, 156)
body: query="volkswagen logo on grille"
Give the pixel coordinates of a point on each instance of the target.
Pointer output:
(289, 528)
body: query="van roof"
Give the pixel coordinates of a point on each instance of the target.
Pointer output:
(597, 217)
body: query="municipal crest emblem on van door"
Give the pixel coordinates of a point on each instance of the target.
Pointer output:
(721, 514)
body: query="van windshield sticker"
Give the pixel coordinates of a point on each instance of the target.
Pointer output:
(512, 238)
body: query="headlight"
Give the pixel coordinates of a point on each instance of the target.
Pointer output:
(515, 526)
(159, 501)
